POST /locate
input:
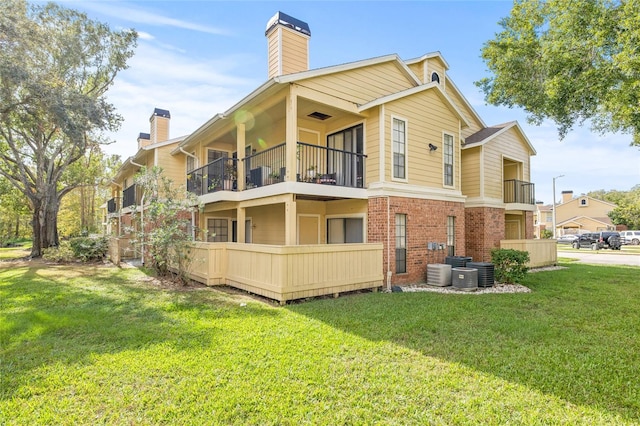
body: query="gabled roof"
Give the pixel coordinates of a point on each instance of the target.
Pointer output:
(408, 92)
(318, 72)
(431, 55)
(487, 134)
(590, 198)
(603, 220)
(140, 154)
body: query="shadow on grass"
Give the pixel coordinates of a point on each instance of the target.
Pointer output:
(575, 336)
(64, 314)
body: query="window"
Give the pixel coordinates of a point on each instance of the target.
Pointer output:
(451, 235)
(343, 165)
(435, 77)
(213, 155)
(583, 201)
(191, 162)
(401, 243)
(345, 230)
(448, 160)
(399, 148)
(218, 230)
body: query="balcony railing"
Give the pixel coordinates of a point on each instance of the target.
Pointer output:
(112, 205)
(219, 175)
(518, 191)
(130, 196)
(266, 167)
(315, 164)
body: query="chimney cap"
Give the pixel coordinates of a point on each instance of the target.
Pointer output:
(567, 192)
(144, 136)
(161, 113)
(289, 22)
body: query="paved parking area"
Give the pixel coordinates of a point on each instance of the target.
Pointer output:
(602, 257)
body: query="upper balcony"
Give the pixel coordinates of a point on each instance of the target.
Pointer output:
(519, 192)
(113, 205)
(315, 165)
(131, 196)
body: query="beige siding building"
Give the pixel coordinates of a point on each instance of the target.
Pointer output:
(382, 156)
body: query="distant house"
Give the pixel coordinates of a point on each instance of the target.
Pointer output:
(543, 219)
(576, 215)
(352, 176)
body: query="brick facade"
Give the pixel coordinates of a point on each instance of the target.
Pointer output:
(485, 227)
(528, 226)
(426, 222)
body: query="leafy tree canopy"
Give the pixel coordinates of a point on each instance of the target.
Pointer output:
(569, 61)
(627, 211)
(56, 66)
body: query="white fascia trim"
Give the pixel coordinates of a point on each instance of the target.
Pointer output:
(506, 127)
(393, 189)
(466, 102)
(426, 56)
(520, 207)
(302, 75)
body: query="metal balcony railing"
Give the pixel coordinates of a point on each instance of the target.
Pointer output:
(130, 196)
(112, 205)
(219, 175)
(318, 164)
(266, 167)
(518, 191)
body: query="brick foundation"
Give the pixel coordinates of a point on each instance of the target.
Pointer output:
(484, 229)
(426, 222)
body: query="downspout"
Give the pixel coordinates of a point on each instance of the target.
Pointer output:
(142, 228)
(388, 245)
(188, 154)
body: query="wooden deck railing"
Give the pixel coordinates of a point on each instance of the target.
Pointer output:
(288, 272)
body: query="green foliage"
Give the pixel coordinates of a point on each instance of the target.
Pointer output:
(510, 265)
(62, 253)
(56, 66)
(89, 248)
(627, 211)
(545, 233)
(165, 229)
(568, 62)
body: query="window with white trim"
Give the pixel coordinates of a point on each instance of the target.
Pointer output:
(399, 136)
(401, 243)
(451, 235)
(218, 230)
(191, 162)
(448, 159)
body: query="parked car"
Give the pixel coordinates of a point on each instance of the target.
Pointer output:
(599, 240)
(566, 239)
(630, 237)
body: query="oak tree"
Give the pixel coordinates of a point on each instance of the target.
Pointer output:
(570, 62)
(56, 66)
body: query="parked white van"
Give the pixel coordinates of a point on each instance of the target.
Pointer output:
(630, 237)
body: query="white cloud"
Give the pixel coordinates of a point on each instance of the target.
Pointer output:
(192, 89)
(140, 16)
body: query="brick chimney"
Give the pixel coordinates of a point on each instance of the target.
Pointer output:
(144, 139)
(567, 196)
(287, 44)
(159, 125)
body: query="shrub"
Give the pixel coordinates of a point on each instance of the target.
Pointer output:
(510, 265)
(62, 253)
(545, 233)
(89, 248)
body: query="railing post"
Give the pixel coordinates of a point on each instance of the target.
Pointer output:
(240, 144)
(291, 135)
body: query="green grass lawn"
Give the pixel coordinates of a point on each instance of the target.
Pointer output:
(102, 345)
(8, 253)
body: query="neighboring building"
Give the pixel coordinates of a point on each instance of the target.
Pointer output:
(582, 214)
(154, 149)
(542, 219)
(367, 171)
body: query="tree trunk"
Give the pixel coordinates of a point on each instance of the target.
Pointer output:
(36, 248)
(45, 223)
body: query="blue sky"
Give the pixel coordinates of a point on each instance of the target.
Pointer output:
(198, 58)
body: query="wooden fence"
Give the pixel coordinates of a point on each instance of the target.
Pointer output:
(541, 252)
